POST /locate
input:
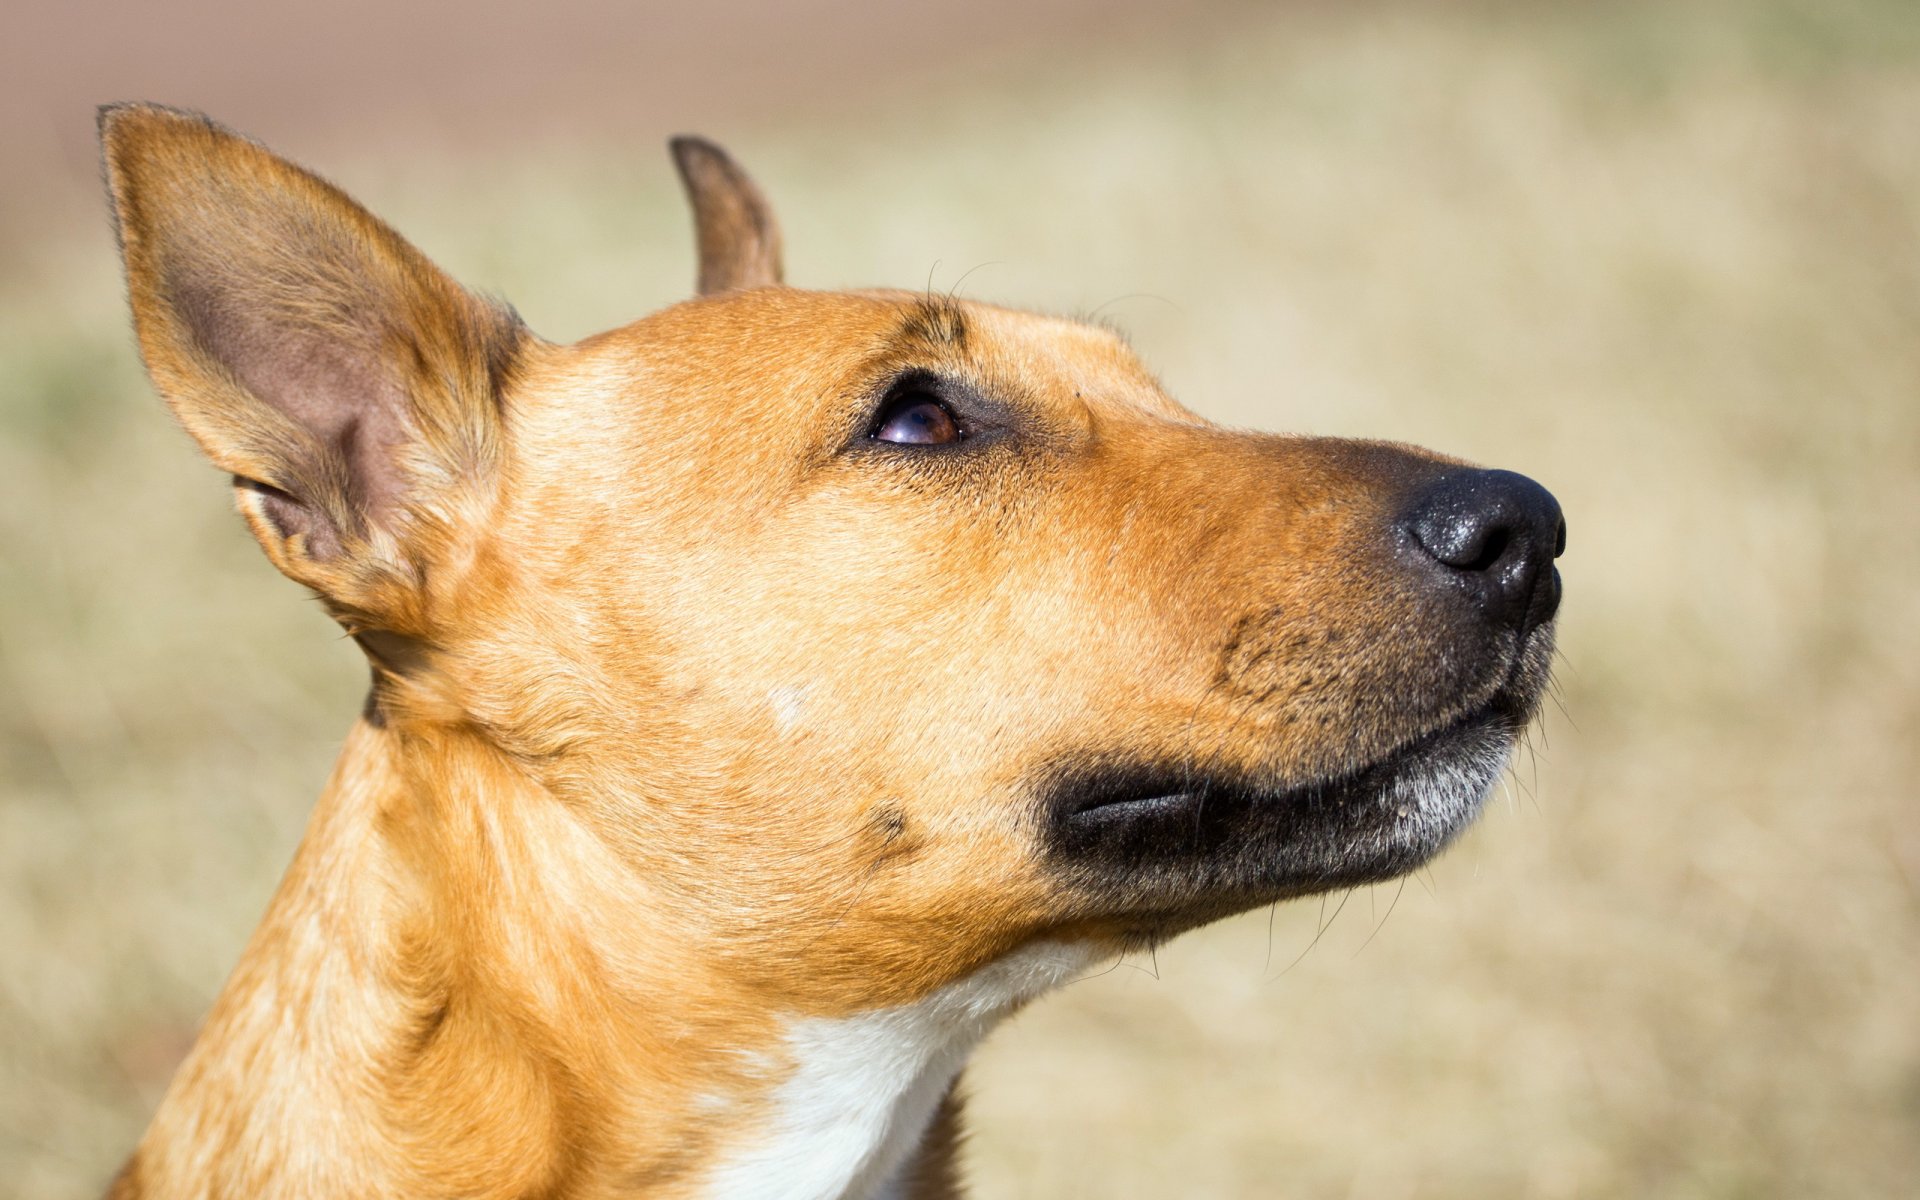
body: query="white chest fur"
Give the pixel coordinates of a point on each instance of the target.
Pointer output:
(864, 1087)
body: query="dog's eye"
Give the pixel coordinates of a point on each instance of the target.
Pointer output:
(916, 419)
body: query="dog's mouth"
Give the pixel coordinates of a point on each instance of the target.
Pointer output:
(1178, 845)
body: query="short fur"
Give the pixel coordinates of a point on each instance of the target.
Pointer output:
(702, 717)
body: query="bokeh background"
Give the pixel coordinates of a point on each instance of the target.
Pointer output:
(1664, 255)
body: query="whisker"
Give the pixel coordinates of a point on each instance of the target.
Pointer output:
(1094, 316)
(1320, 932)
(1383, 920)
(967, 272)
(1272, 911)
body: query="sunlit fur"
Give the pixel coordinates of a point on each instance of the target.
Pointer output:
(698, 718)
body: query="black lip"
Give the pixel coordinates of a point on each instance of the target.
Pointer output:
(1131, 794)
(1169, 848)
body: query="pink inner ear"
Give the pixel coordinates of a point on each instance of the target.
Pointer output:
(290, 518)
(329, 379)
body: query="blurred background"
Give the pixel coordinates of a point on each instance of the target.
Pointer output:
(1664, 255)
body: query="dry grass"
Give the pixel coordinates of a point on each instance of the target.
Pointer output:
(1664, 257)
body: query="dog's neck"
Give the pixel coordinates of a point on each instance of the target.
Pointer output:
(452, 983)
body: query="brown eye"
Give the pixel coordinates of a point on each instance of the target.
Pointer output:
(916, 419)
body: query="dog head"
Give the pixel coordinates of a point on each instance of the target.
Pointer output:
(881, 633)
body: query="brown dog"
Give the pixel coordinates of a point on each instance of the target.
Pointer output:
(769, 695)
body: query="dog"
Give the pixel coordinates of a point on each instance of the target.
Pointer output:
(768, 696)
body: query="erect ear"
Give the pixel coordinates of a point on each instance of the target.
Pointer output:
(348, 385)
(739, 240)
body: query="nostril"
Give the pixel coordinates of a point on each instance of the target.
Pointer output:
(1489, 532)
(1461, 532)
(1485, 546)
(1494, 548)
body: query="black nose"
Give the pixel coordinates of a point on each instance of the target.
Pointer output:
(1496, 533)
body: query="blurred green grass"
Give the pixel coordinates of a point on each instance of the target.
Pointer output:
(1664, 257)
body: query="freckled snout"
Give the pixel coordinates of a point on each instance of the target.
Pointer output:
(1495, 534)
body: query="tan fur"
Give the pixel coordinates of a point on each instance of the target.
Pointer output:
(688, 719)
(738, 238)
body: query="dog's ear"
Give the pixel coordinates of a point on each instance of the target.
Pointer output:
(348, 385)
(739, 239)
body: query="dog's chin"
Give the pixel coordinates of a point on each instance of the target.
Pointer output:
(1158, 849)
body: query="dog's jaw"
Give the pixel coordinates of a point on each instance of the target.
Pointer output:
(862, 1089)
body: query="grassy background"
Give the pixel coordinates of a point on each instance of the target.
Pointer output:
(1663, 256)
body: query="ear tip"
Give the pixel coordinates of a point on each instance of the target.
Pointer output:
(121, 117)
(702, 157)
(114, 112)
(113, 121)
(691, 143)
(691, 151)
(134, 131)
